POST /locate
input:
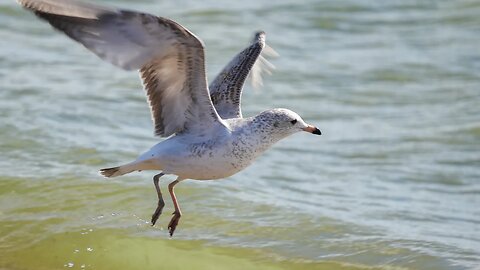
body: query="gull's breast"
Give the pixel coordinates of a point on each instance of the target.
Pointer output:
(215, 159)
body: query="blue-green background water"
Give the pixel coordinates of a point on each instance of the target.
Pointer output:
(393, 182)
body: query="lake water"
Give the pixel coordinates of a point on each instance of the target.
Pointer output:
(393, 182)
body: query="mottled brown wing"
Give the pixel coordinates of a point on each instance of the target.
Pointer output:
(170, 58)
(226, 89)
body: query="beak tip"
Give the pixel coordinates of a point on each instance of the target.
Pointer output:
(313, 130)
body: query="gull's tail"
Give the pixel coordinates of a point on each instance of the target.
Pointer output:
(127, 168)
(111, 172)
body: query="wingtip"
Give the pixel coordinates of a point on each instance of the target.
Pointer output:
(267, 50)
(71, 8)
(25, 4)
(259, 37)
(262, 65)
(260, 33)
(33, 5)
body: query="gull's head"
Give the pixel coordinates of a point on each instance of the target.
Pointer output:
(285, 122)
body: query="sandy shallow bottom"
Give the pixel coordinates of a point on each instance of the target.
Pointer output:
(115, 249)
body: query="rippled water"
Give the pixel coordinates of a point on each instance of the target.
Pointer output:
(394, 182)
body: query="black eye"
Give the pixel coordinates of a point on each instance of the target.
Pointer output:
(294, 121)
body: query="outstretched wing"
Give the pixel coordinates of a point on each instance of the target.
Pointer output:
(226, 89)
(170, 58)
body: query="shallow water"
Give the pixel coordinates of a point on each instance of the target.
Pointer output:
(393, 182)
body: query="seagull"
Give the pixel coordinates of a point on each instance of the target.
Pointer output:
(207, 136)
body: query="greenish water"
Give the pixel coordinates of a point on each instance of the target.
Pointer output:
(394, 182)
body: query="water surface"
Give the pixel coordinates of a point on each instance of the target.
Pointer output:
(393, 182)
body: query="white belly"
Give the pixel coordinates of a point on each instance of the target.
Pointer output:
(203, 169)
(203, 161)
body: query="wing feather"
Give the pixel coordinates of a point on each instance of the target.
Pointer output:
(170, 58)
(226, 89)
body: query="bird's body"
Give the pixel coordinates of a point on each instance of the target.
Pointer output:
(229, 150)
(208, 138)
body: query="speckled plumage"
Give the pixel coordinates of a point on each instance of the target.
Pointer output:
(229, 151)
(209, 138)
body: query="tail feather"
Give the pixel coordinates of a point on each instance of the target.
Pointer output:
(128, 168)
(110, 172)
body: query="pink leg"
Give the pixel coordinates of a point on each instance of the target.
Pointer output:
(177, 214)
